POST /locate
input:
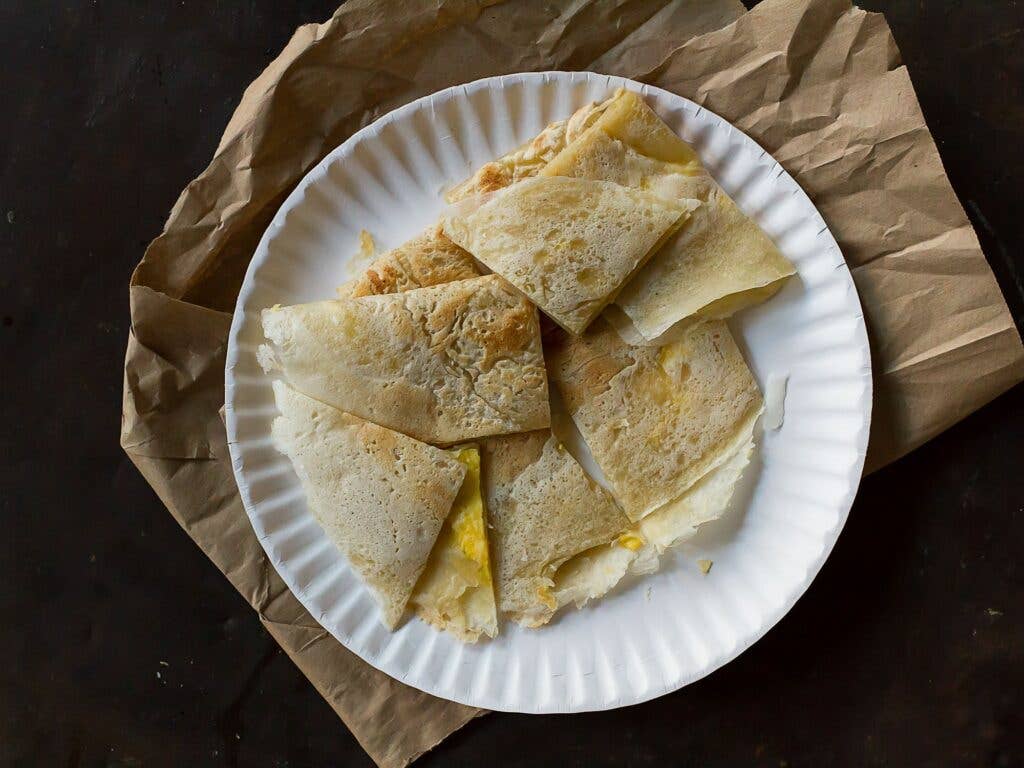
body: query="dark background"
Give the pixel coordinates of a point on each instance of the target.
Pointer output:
(120, 644)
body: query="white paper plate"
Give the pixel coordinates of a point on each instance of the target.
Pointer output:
(652, 635)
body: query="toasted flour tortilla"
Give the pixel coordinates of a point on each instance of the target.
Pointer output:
(443, 364)
(428, 259)
(380, 496)
(568, 244)
(719, 261)
(656, 419)
(543, 509)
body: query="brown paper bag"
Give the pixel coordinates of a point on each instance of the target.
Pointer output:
(819, 84)
(330, 80)
(816, 82)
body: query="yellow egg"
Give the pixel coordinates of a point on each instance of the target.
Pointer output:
(455, 592)
(631, 541)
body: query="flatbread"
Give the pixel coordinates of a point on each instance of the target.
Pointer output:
(597, 155)
(719, 262)
(656, 419)
(627, 117)
(722, 263)
(428, 259)
(443, 364)
(380, 496)
(592, 574)
(543, 509)
(456, 591)
(527, 160)
(568, 244)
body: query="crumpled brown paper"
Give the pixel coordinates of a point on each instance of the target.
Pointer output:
(816, 82)
(330, 80)
(819, 85)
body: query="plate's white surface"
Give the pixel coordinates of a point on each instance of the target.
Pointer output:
(652, 635)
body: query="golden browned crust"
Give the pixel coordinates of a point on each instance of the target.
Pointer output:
(427, 259)
(493, 176)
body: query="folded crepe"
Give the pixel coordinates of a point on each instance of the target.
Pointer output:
(428, 259)
(656, 419)
(528, 160)
(592, 574)
(443, 364)
(543, 509)
(380, 496)
(456, 591)
(569, 244)
(718, 262)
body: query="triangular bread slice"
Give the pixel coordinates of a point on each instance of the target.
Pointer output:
(568, 244)
(380, 496)
(656, 419)
(719, 262)
(428, 259)
(543, 509)
(443, 364)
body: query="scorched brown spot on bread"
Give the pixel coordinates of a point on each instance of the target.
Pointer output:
(428, 259)
(493, 176)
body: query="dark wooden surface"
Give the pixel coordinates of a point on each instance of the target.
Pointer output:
(120, 644)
